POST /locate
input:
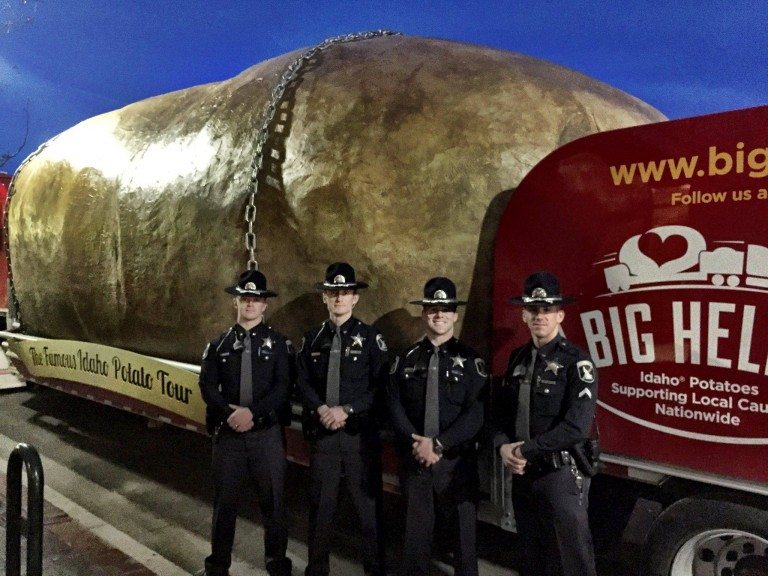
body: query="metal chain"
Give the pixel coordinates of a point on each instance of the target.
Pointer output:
(288, 76)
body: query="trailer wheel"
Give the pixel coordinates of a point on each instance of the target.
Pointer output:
(705, 537)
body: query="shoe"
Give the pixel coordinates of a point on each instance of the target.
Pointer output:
(204, 572)
(279, 567)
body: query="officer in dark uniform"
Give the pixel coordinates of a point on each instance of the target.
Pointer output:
(436, 409)
(546, 409)
(245, 381)
(342, 369)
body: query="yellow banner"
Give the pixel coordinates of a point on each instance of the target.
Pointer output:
(119, 371)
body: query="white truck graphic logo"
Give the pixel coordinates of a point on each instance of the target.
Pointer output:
(722, 265)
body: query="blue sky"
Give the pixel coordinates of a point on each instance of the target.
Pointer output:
(62, 61)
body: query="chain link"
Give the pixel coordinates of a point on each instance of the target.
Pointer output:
(289, 75)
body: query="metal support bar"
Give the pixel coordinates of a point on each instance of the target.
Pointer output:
(33, 525)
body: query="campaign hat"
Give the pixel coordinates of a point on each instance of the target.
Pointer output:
(542, 289)
(439, 291)
(251, 283)
(340, 276)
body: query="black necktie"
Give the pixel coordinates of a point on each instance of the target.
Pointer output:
(523, 421)
(334, 371)
(432, 400)
(246, 375)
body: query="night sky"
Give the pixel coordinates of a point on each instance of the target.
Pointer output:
(64, 61)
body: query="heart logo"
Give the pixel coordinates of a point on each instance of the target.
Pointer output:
(663, 251)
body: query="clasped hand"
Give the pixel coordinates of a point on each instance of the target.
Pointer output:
(423, 450)
(512, 457)
(332, 418)
(241, 420)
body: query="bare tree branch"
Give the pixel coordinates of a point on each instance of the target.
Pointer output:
(8, 156)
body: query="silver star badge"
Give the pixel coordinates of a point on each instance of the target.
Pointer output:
(267, 342)
(553, 367)
(357, 340)
(458, 361)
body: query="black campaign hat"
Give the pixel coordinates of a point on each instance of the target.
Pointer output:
(340, 276)
(542, 289)
(439, 291)
(251, 283)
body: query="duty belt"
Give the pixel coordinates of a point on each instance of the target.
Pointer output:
(552, 461)
(260, 423)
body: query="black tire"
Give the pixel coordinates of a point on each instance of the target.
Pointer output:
(697, 536)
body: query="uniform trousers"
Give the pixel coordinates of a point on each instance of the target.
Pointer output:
(552, 523)
(446, 491)
(256, 457)
(357, 459)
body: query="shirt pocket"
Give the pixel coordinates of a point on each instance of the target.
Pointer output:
(549, 396)
(456, 387)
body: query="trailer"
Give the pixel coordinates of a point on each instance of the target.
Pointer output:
(658, 231)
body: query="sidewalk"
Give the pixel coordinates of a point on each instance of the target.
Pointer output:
(69, 548)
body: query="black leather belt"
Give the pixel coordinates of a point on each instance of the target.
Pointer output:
(551, 461)
(259, 424)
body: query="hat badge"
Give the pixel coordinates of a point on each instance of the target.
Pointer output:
(339, 279)
(539, 293)
(250, 286)
(440, 295)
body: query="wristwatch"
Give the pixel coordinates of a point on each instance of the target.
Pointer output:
(437, 447)
(348, 409)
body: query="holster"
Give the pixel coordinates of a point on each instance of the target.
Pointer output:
(587, 456)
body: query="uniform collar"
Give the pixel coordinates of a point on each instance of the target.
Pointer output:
(426, 344)
(549, 346)
(240, 331)
(345, 327)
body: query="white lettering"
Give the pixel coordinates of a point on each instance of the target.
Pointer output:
(716, 333)
(644, 312)
(691, 334)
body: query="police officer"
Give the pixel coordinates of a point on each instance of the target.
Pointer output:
(547, 405)
(342, 369)
(245, 382)
(434, 400)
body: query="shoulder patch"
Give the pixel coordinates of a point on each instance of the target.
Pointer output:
(301, 346)
(380, 341)
(480, 367)
(393, 366)
(586, 371)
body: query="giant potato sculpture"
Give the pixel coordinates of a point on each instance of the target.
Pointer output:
(397, 154)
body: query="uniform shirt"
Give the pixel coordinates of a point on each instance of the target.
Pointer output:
(271, 356)
(462, 379)
(363, 369)
(563, 397)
